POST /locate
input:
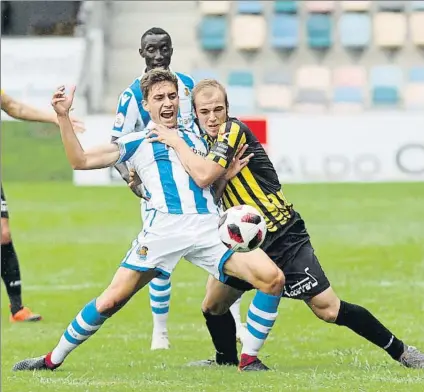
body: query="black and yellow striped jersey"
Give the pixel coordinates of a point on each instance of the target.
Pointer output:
(257, 184)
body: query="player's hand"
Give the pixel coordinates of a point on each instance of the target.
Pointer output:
(164, 135)
(62, 102)
(238, 163)
(135, 184)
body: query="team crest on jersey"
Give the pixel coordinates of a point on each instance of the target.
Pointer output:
(186, 92)
(142, 251)
(119, 120)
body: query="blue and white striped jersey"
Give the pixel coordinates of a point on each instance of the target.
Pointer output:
(169, 186)
(131, 117)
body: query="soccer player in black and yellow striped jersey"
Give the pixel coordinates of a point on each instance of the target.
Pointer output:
(287, 242)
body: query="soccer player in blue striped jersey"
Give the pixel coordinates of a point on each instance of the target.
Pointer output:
(156, 50)
(183, 221)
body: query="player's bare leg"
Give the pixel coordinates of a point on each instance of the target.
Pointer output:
(328, 307)
(124, 285)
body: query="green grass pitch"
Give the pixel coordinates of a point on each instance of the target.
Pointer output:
(369, 238)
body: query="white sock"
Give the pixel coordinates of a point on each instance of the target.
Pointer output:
(235, 311)
(260, 319)
(160, 297)
(84, 325)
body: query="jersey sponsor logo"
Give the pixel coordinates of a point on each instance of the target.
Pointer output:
(142, 252)
(125, 98)
(119, 120)
(220, 149)
(3, 206)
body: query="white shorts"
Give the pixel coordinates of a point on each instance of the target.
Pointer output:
(166, 238)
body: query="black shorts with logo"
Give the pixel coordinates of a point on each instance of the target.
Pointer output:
(4, 212)
(291, 249)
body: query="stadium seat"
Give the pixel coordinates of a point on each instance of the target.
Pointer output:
(389, 29)
(214, 7)
(249, 7)
(416, 74)
(240, 78)
(248, 32)
(213, 32)
(385, 82)
(349, 76)
(416, 22)
(355, 30)
(385, 96)
(285, 6)
(242, 99)
(199, 74)
(319, 6)
(319, 31)
(348, 95)
(414, 96)
(417, 5)
(313, 77)
(311, 96)
(391, 5)
(274, 97)
(284, 31)
(355, 5)
(278, 76)
(386, 75)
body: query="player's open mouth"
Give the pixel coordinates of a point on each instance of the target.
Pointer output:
(167, 114)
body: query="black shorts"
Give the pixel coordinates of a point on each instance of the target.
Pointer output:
(4, 211)
(291, 249)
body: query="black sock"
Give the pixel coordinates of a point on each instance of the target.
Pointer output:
(223, 333)
(11, 276)
(361, 321)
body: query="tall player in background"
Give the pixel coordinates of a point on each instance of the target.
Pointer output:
(156, 50)
(10, 271)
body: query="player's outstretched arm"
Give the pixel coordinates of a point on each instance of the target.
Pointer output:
(95, 158)
(22, 111)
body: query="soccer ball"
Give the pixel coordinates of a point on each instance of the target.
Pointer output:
(242, 228)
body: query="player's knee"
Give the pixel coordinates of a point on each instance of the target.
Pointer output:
(214, 308)
(328, 314)
(275, 283)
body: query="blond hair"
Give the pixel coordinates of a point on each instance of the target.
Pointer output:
(155, 76)
(208, 83)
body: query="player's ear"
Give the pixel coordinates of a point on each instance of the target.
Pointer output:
(145, 105)
(140, 51)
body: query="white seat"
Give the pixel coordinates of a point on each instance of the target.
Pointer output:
(389, 29)
(214, 7)
(248, 32)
